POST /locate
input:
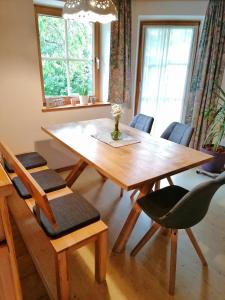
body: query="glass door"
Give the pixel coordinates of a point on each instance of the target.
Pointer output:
(167, 59)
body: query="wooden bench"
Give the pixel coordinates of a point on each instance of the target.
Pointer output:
(9, 278)
(50, 255)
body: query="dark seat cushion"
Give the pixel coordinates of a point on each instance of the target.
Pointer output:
(159, 203)
(71, 212)
(49, 180)
(28, 160)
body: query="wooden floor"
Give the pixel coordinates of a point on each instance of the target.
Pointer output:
(145, 276)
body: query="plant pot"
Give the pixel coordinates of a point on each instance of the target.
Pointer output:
(84, 100)
(217, 164)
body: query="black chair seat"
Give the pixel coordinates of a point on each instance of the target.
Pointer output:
(48, 179)
(159, 203)
(28, 160)
(71, 212)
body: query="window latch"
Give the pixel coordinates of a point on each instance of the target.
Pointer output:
(97, 62)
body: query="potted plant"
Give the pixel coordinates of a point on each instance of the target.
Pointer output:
(84, 87)
(215, 117)
(84, 95)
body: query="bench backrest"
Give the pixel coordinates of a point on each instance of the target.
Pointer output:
(33, 187)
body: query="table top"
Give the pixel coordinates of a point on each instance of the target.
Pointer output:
(129, 166)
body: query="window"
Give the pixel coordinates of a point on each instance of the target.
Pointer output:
(67, 54)
(165, 67)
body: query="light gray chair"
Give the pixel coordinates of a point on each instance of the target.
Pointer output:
(142, 122)
(176, 208)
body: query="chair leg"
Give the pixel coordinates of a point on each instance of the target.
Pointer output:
(121, 193)
(101, 249)
(62, 276)
(133, 195)
(173, 261)
(157, 185)
(145, 238)
(169, 180)
(196, 246)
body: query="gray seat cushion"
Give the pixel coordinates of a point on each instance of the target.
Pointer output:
(71, 212)
(49, 181)
(159, 203)
(28, 160)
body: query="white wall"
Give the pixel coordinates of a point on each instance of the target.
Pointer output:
(21, 117)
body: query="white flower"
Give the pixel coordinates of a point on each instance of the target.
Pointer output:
(116, 110)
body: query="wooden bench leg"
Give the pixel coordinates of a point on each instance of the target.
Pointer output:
(62, 277)
(101, 253)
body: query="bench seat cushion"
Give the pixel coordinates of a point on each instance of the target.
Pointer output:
(71, 212)
(28, 160)
(49, 181)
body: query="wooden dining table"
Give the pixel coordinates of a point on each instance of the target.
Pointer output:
(134, 166)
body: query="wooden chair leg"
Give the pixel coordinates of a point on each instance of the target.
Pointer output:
(173, 261)
(145, 238)
(196, 246)
(62, 279)
(169, 180)
(101, 252)
(157, 185)
(121, 192)
(133, 195)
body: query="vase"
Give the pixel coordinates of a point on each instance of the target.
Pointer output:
(116, 134)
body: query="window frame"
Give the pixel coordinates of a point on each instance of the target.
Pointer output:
(57, 12)
(196, 23)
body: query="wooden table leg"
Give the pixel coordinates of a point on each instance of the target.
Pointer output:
(75, 173)
(125, 233)
(103, 177)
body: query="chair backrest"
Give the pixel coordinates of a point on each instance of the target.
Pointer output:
(192, 208)
(33, 187)
(142, 122)
(178, 133)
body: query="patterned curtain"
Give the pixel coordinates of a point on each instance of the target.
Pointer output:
(120, 59)
(208, 71)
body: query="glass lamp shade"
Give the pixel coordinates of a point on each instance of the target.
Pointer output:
(103, 11)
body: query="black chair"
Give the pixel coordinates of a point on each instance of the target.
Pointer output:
(176, 208)
(142, 122)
